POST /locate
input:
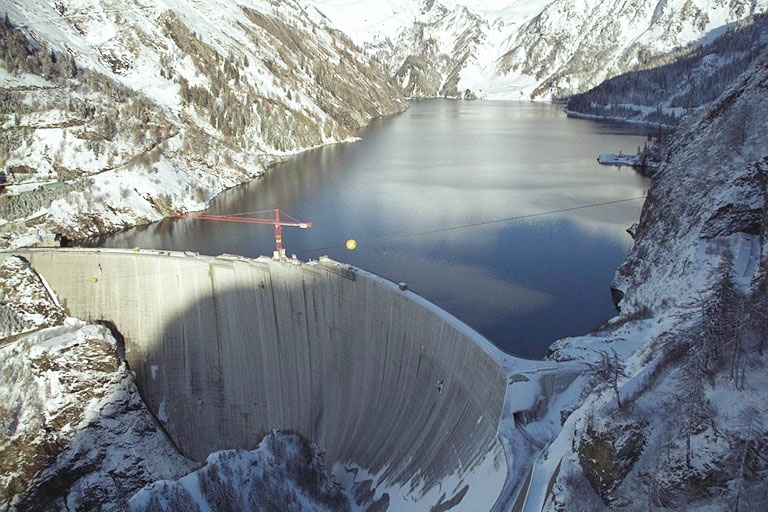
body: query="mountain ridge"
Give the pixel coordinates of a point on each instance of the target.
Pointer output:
(542, 50)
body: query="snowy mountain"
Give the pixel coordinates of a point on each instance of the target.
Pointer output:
(682, 81)
(524, 50)
(572, 46)
(75, 432)
(435, 47)
(680, 420)
(115, 114)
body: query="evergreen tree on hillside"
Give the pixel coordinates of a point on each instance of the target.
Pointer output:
(684, 79)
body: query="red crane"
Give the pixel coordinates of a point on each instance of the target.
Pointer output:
(240, 217)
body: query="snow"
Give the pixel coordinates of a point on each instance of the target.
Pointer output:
(78, 404)
(23, 81)
(275, 474)
(369, 21)
(132, 46)
(508, 45)
(620, 159)
(399, 495)
(682, 269)
(26, 301)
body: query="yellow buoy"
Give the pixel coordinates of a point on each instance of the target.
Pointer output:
(351, 244)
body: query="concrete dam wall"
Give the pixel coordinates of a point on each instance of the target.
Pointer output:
(227, 348)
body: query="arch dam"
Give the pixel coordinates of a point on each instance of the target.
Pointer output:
(405, 399)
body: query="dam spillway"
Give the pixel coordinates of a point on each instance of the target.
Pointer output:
(225, 348)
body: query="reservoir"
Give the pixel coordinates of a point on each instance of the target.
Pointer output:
(454, 198)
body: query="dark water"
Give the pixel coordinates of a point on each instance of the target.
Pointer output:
(522, 283)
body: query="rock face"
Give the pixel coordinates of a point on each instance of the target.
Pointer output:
(427, 59)
(437, 48)
(692, 334)
(285, 472)
(124, 114)
(525, 50)
(572, 46)
(717, 162)
(607, 456)
(25, 304)
(75, 433)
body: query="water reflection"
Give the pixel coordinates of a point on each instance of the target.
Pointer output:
(522, 283)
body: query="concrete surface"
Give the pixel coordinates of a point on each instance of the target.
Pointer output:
(226, 348)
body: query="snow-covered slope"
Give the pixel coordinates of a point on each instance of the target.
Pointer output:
(572, 45)
(709, 198)
(285, 472)
(521, 50)
(371, 21)
(126, 113)
(74, 432)
(25, 302)
(680, 82)
(435, 47)
(690, 363)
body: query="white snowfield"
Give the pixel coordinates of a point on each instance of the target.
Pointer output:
(522, 50)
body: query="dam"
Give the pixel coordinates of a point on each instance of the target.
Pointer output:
(399, 393)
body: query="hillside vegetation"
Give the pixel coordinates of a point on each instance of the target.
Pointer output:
(679, 82)
(112, 115)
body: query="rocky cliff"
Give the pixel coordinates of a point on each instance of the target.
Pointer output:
(75, 432)
(678, 420)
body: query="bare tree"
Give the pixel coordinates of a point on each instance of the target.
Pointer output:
(758, 311)
(654, 491)
(692, 404)
(723, 324)
(751, 456)
(608, 369)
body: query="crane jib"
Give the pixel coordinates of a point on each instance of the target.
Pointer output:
(240, 218)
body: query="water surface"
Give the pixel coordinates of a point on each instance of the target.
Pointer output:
(522, 283)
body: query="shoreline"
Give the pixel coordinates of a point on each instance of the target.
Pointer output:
(594, 117)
